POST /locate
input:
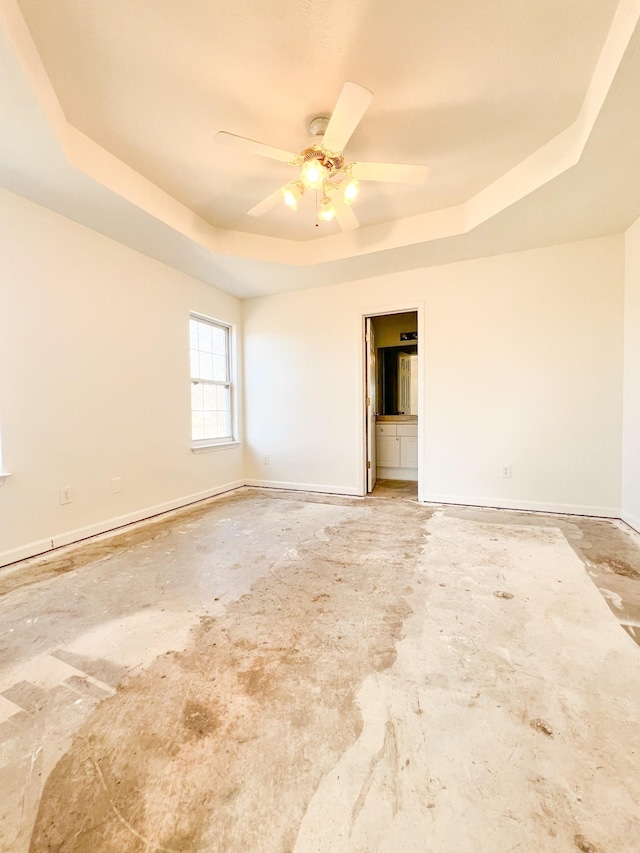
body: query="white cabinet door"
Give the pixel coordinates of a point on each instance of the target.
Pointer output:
(388, 447)
(407, 429)
(408, 452)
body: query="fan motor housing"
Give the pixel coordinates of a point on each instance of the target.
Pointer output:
(318, 125)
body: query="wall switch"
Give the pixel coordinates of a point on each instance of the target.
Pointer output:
(116, 484)
(65, 495)
(505, 471)
(265, 459)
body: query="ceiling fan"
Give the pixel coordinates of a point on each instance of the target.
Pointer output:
(323, 166)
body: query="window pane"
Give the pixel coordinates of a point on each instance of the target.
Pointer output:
(193, 334)
(220, 341)
(197, 425)
(195, 362)
(209, 396)
(219, 368)
(205, 337)
(196, 397)
(206, 366)
(224, 430)
(210, 425)
(223, 398)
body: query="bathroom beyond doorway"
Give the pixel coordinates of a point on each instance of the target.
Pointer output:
(393, 346)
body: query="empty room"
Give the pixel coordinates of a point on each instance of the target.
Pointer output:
(319, 426)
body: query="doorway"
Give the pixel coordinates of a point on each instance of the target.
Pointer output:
(392, 403)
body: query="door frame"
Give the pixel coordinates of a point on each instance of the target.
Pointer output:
(371, 395)
(378, 311)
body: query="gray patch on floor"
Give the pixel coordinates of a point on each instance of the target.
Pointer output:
(609, 550)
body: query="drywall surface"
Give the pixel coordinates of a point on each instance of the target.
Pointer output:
(94, 382)
(631, 407)
(522, 365)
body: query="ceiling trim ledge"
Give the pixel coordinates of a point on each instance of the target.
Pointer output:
(548, 162)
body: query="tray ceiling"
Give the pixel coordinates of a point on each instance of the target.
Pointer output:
(471, 89)
(525, 112)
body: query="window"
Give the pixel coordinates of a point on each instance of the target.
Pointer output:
(211, 389)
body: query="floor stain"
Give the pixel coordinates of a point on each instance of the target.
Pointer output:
(618, 567)
(200, 720)
(194, 752)
(582, 844)
(99, 549)
(541, 726)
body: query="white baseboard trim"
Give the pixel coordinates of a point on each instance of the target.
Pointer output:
(58, 540)
(42, 546)
(526, 506)
(350, 491)
(631, 520)
(32, 549)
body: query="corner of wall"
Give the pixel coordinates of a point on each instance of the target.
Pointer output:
(631, 380)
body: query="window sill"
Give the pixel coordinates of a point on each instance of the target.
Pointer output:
(3, 477)
(206, 448)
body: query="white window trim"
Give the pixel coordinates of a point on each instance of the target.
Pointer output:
(205, 445)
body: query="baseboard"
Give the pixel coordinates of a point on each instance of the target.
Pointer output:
(305, 487)
(32, 549)
(42, 546)
(526, 506)
(58, 540)
(631, 520)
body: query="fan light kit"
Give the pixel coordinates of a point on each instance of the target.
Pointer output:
(323, 167)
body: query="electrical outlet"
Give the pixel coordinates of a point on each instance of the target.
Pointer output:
(65, 495)
(505, 471)
(116, 484)
(265, 459)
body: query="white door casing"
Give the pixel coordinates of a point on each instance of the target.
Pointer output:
(370, 346)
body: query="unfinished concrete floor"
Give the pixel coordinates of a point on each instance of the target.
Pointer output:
(396, 489)
(280, 672)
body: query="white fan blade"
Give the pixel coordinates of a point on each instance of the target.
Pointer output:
(267, 204)
(346, 217)
(352, 105)
(393, 173)
(223, 138)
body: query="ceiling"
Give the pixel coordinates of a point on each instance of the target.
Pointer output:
(521, 109)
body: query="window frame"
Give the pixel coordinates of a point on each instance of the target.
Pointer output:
(199, 445)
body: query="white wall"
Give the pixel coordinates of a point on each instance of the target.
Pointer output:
(521, 355)
(522, 359)
(631, 417)
(94, 382)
